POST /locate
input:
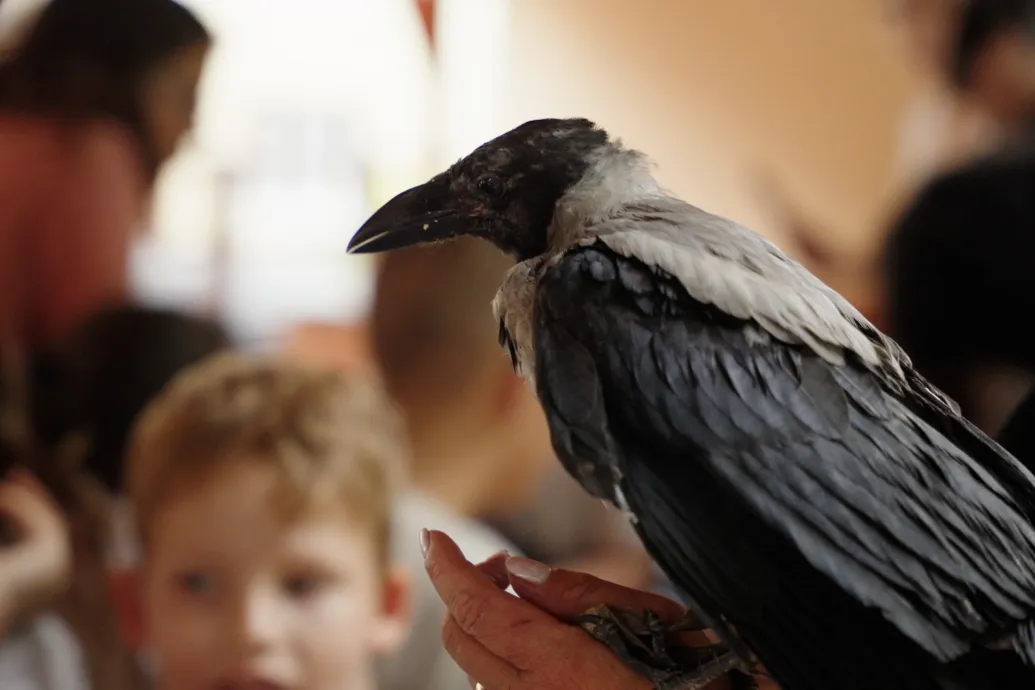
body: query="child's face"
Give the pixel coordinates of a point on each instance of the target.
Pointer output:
(235, 598)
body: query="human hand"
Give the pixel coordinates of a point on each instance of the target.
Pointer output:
(513, 643)
(37, 566)
(566, 594)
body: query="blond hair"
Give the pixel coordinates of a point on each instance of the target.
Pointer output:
(333, 437)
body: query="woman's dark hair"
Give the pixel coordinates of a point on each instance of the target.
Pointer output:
(103, 375)
(88, 58)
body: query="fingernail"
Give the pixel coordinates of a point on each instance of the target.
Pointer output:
(425, 542)
(528, 570)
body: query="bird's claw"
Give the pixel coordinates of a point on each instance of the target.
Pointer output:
(647, 646)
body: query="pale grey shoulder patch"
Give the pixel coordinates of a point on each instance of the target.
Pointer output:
(718, 261)
(746, 277)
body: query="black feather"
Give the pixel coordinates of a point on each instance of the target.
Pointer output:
(507, 342)
(851, 531)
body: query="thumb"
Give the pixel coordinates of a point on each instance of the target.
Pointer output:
(27, 504)
(566, 594)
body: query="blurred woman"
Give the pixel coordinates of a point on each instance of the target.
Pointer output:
(940, 128)
(92, 103)
(103, 376)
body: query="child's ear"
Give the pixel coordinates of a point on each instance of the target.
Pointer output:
(126, 595)
(396, 615)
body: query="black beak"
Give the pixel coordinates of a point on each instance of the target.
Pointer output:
(423, 214)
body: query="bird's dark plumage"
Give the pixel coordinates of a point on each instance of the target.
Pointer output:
(736, 447)
(820, 505)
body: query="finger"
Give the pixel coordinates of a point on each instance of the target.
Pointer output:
(566, 594)
(495, 567)
(483, 611)
(25, 501)
(480, 664)
(27, 481)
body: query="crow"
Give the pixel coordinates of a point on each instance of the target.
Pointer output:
(820, 506)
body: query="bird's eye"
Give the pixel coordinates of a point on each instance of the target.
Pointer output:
(490, 185)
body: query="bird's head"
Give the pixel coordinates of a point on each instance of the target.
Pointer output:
(504, 191)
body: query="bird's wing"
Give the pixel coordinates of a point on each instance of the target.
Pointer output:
(875, 497)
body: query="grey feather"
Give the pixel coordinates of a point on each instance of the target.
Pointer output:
(717, 261)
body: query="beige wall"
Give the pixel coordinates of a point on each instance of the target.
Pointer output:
(717, 91)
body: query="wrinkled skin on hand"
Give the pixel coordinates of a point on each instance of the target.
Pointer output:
(528, 641)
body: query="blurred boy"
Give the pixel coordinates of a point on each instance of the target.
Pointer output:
(261, 492)
(481, 446)
(480, 441)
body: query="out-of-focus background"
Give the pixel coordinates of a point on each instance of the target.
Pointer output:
(797, 118)
(884, 144)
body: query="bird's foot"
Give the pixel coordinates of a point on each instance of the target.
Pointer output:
(653, 649)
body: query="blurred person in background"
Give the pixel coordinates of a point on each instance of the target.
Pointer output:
(960, 267)
(941, 127)
(481, 447)
(36, 651)
(480, 442)
(978, 61)
(994, 61)
(101, 378)
(98, 379)
(263, 494)
(105, 372)
(428, 340)
(480, 439)
(958, 259)
(92, 102)
(927, 29)
(975, 57)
